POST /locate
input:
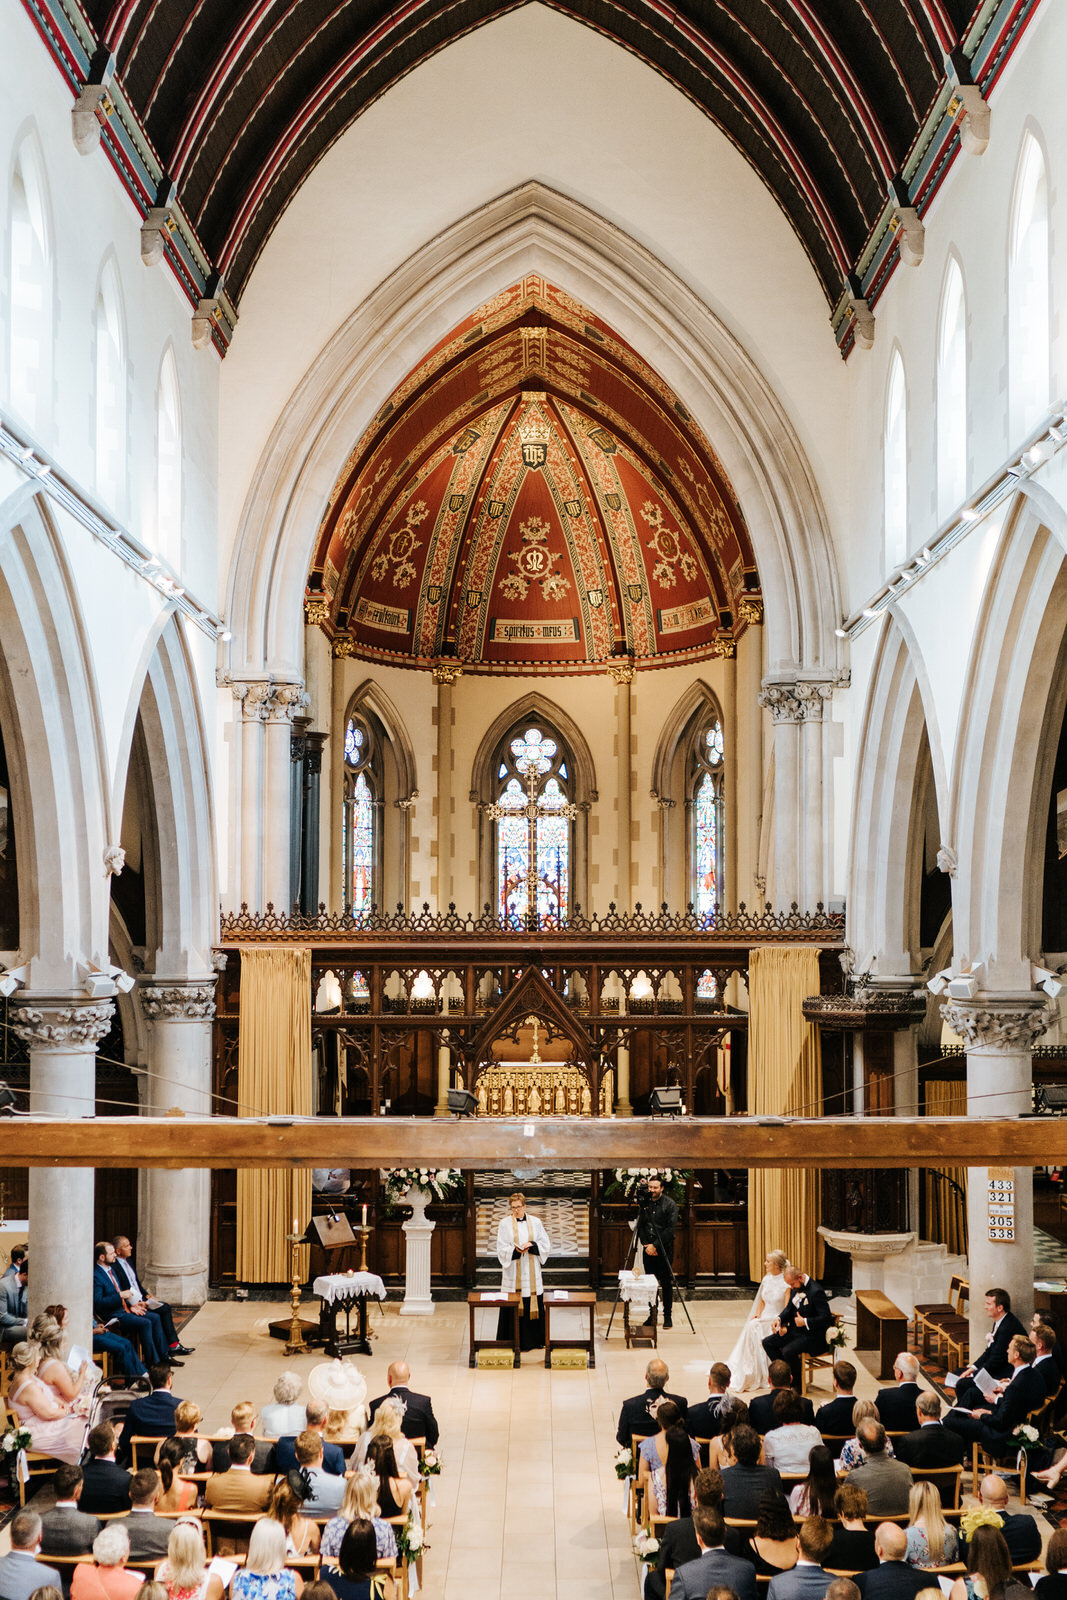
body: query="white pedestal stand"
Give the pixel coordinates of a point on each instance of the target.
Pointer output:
(418, 1301)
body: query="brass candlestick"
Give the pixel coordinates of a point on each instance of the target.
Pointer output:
(363, 1231)
(295, 1345)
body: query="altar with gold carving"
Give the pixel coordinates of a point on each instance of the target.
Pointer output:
(538, 1088)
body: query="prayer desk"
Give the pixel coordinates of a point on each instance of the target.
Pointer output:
(346, 1291)
(574, 1299)
(881, 1326)
(477, 1301)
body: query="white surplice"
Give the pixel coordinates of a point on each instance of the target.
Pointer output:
(531, 1230)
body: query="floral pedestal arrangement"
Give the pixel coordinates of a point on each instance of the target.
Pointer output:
(416, 1187)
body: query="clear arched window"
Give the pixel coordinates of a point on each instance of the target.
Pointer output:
(895, 466)
(706, 811)
(169, 462)
(30, 305)
(534, 818)
(361, 818)
(110, 392)
(1028, 294)
(952, 394)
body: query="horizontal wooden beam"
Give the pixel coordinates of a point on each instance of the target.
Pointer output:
(564, 1143)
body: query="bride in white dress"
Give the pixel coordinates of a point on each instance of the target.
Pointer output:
(747, 1360)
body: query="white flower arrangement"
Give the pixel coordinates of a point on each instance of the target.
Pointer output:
(630, 1179)
(409, 1540)
(644, 1544)
(438, 1182)
(624, 1463)
(1025, 1437)
(16, 1439)
(431, 1464)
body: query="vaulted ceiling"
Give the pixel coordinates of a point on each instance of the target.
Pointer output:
(830, 100)
(533, 495)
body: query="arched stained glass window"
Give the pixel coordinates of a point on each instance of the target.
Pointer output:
(360, 847)
(534, 815)
(1028, 293)
(706, 805)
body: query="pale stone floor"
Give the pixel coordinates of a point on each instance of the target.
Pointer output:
(528, 1504)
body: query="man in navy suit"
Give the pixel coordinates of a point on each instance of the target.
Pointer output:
(713, 1567)
(835, 1417)
(704, 1420)
(761, 1409)
(896, 1407)
(333, 1457)
(930, 1444)
(105, 1485)
(418, 1420)
(892, 1579)
(992, 1425)
(1021, 1533)
(151, 1415)
(638, 1414)
(134, 1295)
(803, 1324)
(110, 1307)
(994, 1358)
(1044, 1362)
(807, 1580)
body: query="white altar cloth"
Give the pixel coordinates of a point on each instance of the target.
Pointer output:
(347, 1286)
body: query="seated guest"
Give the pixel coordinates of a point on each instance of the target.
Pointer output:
(852, 1450)
(734, 1414)
(395, 1492)
(790, 1442)
(147, 1533)
(714, 1567)
(53, 1425)
(931, 1540)
(301, 1534)
(110, 1309)
(931, 1444)
(18, 1254)
(66, 1530)
(53, 1369)
(744, 1482)
(852, 1549)
(678, 1540)
(123, 1356)
(1021, 1533)
(892, 1578)
(809, 1579)
(773, 1547)
(178, 1493)
(20, 1572)
(418, 1420)
(106, 1486)
(704, 1420)
(989, 1574)
(761, 1409)
(992, 1423)
(243, 1419)
(803, 1325)
(638, 1414)
(284, 1419)
(137, 1300)
(333, 1455)
(342, 1389)
(351, 1574)
(324, 1490)
(1054, 1585)
(107, 1578)
(815, 1496)
(994, 1358)
(151, 1415)
(238, 1490)
(896, 1407)
(386, 1425)
(264, 1575)
(184, 1573)
(887, 1482)
(198, 1452)
(840, 1589)
(361, 1500)
(668, 1462)
(835, 1417)
(13, 1305)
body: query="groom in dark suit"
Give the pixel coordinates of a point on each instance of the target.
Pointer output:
(803, 1324)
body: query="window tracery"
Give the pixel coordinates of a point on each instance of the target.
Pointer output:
(360, 819)
(706, 805)
(533, 812)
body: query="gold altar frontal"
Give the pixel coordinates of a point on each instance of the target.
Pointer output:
(540, 1089)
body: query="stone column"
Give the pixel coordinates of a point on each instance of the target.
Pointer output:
(285, 701)
(623, 1108)
(262, 786)
(796, 706)
(62, 1033)
(999, 1032)
(174, 1237)
(444, 1075)
(418, 1301)
(445, 676)
(666, 806)
(623, 673)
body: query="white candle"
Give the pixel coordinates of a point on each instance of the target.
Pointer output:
(364, 1216)
(294, 1224)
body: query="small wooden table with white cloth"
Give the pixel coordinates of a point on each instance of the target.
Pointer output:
(343, 1291)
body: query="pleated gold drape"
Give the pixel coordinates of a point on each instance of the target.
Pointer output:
(273, 1076)
(784, 1075)
(946, 1214)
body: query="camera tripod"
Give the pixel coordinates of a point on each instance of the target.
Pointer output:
(631, 1257)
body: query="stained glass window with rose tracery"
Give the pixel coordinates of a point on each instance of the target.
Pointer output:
(359, 819)
(706, 801)
(533, 814)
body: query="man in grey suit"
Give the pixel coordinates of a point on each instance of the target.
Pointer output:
(713, 1567)
(887, 1482)
(147, 1533)
(20, 1572)
(807, 1580)
(66, 1531)
(13, 1307)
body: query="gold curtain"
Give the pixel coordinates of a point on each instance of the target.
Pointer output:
(946, 1213)
(273, 1077)
(784, 1075)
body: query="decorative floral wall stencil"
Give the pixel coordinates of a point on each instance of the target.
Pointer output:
(402, 544)
(668, 546)
(534, 564)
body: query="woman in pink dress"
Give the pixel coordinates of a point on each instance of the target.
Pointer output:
(52, 1427)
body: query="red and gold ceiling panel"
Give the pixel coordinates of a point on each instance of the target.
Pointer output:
(532, 495)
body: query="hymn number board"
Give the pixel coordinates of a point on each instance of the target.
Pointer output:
(1001, 1204)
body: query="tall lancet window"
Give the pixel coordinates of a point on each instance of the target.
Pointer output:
(952, 394)
(360, 819)
(534, 818)
(706, 808)
(895, 466)
(1028, 294)
(110, 393)
(30, 328)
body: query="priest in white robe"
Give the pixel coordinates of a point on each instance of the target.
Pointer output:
(522, 1248)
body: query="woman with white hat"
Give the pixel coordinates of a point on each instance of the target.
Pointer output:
(342, 1389)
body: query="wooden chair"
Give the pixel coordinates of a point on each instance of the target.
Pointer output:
(39, 1464)
(836, 1442)
(143, 1449)
(922, 1316)
(221, 1528)
(947, 1481)
(811, 1361)
(1041, 1419)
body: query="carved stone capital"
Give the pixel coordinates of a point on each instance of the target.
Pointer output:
(316, 611)
(750, 611)
(723, 646)
(447, 673)
(62, 1024)
(947, 860)
(264, 700)
(622, 672)
(990, 1024)
(343, 646)
(796, 699)
(406, 803)
(219, 959)
(178, 1002)
(286, 701)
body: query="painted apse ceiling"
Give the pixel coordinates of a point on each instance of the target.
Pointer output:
(532, 495)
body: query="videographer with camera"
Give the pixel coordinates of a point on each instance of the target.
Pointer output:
(657, 1223)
